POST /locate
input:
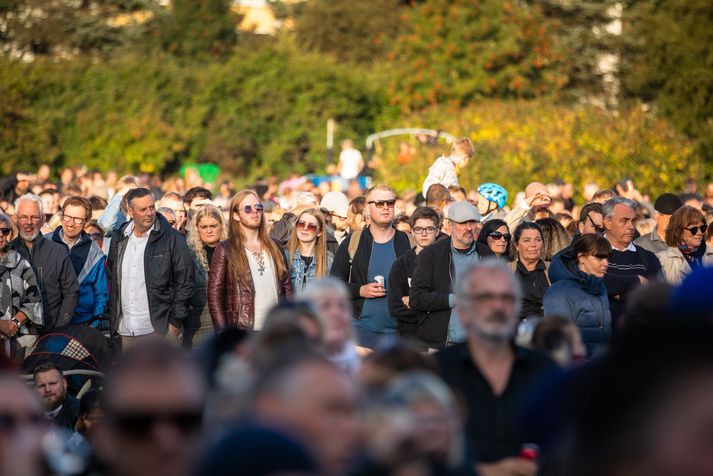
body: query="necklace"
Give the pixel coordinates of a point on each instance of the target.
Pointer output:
(260, 258)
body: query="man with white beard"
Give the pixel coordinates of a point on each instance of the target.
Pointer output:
(50, 262)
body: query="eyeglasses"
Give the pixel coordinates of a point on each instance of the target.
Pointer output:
(250, 208)
(34, 219)
(496, 235)
(507, 298)
(6, 231)
(95, 236)
(694, 229)
(307, 226)
(419, 230)
(76, 220)
(382, 203)
(140, 424)
(598, 228)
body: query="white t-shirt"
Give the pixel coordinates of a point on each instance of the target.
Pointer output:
(265, 286)
(350, 160)
(135, 316)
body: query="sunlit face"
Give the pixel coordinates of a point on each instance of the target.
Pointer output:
(621, 226)
(499, 240)
(381, 205)
(308, 228)
(591, 224)
(463, 234)
(178, 208)
(594, 265)
(73, 220)
(424, 232)
(28, 219)
(529, 246)
(209, 230)
(691, 240)
(143, 212)
(249, 212)
(52, 388)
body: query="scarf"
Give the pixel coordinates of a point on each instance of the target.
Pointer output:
(692, 255)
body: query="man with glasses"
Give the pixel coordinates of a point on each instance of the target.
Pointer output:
(150, 274)
(489, 371)
(425, 224)
(50, 262)
(173, 201)
(435, 277)
(87, 259)
(665, 206)
(590, 219)
(153, 402)
(366, 268)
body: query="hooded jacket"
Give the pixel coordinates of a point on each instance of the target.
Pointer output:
(168, 269)
(580, 297)
(88, 261)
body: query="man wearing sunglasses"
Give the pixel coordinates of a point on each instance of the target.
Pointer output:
(153, 404)
(87, 259)
(379, 244)
(665, 206)
(434, 278)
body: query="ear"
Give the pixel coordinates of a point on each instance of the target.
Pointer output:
(580, 227)
(236, 216)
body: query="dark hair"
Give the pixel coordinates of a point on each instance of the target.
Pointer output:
(590, 207)
(525, 225)
(554, 237)
(98, 203)
(77, 201)
(90, 401)
(357, 205)
(550, 334)
(46, 367)
(683, 217)
(425, 213)
(402, 218)
(135, 193)
(489, 227)
(591, 244)
(196, 192)
(604, 194)
(436, 194)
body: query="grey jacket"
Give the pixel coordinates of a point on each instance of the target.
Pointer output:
(19, 291)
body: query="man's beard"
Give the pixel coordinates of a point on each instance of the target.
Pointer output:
(505, 334)
(30, 237)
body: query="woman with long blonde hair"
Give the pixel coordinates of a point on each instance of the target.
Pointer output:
(308, 256)
(206, 230)
(249, 271)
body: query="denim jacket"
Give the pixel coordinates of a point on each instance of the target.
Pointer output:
(301, 276)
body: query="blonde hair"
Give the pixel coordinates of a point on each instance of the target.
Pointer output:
(194, 239)
(463, 146)
(320, 244)
(238, 265)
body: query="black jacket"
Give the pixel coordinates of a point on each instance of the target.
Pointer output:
(360, 266)
(399, 286)
(68, 415)
(168, 268)
(56, 277)
(431, 286)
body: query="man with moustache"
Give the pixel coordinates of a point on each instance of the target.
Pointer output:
(50, 262)
(61, 409)
(492, 374)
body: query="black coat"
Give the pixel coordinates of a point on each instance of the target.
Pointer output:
(431, 285)
(169, 273)
(401, 273)
(360, 266)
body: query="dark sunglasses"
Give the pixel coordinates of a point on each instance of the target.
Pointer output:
(258, 208)
(496, 235)
(140, 425)
(6, 231)
(11, 422)
(694, 229)
(599, 229)
(307, 226)
(382, 203)
(95, 236)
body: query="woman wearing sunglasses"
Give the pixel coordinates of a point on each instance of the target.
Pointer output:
(496, 236)
(529, 267)
(578, 291)
(686, 244)
(307, 249)
(249, 272)
(20, 301)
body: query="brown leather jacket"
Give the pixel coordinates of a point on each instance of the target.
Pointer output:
(232, 304)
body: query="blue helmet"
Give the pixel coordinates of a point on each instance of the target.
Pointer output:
(494, 193)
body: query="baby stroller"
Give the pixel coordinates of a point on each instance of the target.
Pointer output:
(81, 352)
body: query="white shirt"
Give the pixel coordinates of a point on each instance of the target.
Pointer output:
(350, 159)
(631, 247)
(135, 316)
(265, 287)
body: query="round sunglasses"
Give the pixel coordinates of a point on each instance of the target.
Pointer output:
(694, 229)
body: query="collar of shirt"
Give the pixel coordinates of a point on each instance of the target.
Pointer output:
(53, 414)
(631, 247)
(130, 229)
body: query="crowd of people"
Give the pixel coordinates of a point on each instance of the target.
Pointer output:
(312, 328)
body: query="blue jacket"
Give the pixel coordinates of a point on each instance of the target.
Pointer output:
(581, 297)
(88, 262)
(300, 277)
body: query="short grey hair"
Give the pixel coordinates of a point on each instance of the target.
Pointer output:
(325, 285)
(30, 197)
(608, 206)
(489, 265)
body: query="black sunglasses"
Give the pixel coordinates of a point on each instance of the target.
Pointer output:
(599, 229)
(382, 203)
(694, 229)
(496, 235)
(6, 231)
(140, 424)
(258, 208)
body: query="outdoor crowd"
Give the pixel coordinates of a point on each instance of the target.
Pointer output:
(316, 328)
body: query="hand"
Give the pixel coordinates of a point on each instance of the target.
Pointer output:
(643, 280)
(372, 290)
(405, 300)
(8, 328)
(512, 466)
(174, 331)
(539, 200)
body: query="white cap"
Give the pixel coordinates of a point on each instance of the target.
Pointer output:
(337, 203)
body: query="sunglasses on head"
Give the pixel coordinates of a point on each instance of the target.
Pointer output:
(140, 424)
(382, 203)
(6, 231)
(496, 235)
(307, 226)
(250, 208)
(694, 229)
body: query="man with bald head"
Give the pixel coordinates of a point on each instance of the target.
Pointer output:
(539, 198)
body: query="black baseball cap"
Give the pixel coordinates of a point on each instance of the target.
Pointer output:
(667, 204)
